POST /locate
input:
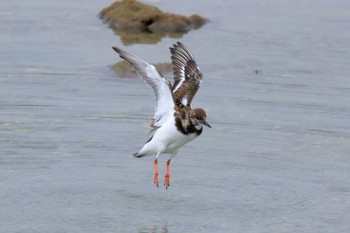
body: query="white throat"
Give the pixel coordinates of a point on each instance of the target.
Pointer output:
(198, 127)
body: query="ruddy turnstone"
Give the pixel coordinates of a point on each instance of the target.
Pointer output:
(174, 123)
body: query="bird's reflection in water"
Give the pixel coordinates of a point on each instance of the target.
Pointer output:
(156, 229)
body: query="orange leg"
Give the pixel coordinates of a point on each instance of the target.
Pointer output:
(155, 164)
(167, 175)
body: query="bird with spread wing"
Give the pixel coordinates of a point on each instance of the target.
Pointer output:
(175, 123)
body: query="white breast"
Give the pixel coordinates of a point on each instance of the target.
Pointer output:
(170, 139)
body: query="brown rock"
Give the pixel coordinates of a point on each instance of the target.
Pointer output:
(127, 17)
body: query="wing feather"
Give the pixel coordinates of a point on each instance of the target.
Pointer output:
(187, 75)
(164, 107)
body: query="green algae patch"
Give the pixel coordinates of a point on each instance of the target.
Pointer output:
(138, 22)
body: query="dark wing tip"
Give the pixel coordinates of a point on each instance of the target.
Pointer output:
(119, 51)
(116, 49)
(122, 54)
(178, 44)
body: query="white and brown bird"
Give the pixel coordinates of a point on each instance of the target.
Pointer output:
(175, 123)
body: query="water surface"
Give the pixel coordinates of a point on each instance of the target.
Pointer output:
(276, 90)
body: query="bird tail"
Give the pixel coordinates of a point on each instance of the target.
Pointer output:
(138, 155)
(143, 152)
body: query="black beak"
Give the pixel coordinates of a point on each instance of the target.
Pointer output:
(206, 124)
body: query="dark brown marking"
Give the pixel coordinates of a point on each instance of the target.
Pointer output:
(184, 124)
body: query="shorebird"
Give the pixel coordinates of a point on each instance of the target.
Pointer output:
(175, 122)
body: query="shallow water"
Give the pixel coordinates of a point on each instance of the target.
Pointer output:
(276, 159)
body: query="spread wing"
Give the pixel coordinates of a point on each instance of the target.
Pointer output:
(161, 87)
(187, 75)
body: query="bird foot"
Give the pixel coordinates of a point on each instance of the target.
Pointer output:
(167, 175)
(167, 181)
(156, 180)
(156, 172)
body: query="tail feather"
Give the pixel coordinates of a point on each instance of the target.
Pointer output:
(137, 155)
(143, 152)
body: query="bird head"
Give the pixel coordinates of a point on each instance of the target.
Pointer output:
(198, 117)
